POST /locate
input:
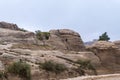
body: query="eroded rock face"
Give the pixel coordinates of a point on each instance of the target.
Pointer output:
(66, 39)
(108, 53)
(7, 35)
(117, 43)
(1, 66)
(10, 32)
(9, 26)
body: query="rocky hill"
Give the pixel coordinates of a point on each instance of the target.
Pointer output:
(9, 26)
(62, 56)
(66, 39)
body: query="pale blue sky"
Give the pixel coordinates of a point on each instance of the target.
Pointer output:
(88, 17)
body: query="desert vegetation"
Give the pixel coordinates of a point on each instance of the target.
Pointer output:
(3, 75)
(53, 67)
(22, 29)
(85, 65)
(19, 69)
(104, 37)
(42, 35)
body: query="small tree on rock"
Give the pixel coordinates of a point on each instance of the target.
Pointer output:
(104, 37)
(42, 36)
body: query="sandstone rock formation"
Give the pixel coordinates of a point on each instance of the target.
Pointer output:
(63, 46)
(7, 35)
(117, 43)
(10, 32)
(34, 57)
(108, 54)
(66, 39)
(63, 39)
(9, 26)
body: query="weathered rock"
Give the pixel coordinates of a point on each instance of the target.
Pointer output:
(66, 39)
(7, 35)
(108, 54)
(104, 45)
(9, 26)
(83, 56)
(117, 43)
(2, 67)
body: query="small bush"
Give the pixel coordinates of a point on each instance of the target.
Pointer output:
(46, 35)
(22, 29)
(21, 69)
(80, 71)
(3, 75)
(104, 37)
(86, 65)
(42, 35)
(53, 67)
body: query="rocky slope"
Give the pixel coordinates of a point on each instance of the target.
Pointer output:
(66, 39)
(9, 26)
(11, 36)
(109, 55)
(64, 46)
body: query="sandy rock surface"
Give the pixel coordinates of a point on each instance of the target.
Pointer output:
(66, 39)
(100, 77)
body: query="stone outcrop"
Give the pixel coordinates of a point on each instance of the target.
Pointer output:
(66, 39)
(10, 32)
(7, 35)
(117, 43)
(9, 26)
(64, 46)
(109, 55)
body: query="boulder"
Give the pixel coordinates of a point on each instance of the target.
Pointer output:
(9, 26)
(108, 54)
(117, 43)
(65, 39)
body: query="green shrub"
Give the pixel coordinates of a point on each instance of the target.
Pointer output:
(21, 69)
(46, 35)
(22, 29)
(53, 67)
(80, 71)
(3, 75)
(86, 65)
(104, 37)
(42, 35)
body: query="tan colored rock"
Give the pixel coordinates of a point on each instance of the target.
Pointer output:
(2, 67)
(117, 43)
(9, 26)
(104, 45)
(7, 35)
(108, 54)
(66, 39)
